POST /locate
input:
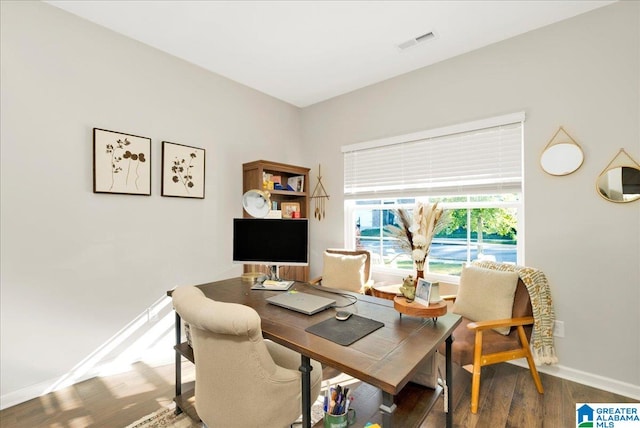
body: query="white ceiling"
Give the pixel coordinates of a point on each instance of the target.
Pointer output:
(304, 52)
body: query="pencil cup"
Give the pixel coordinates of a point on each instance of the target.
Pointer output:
(340, 421)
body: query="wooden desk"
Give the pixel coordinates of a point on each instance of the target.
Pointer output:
(386, 359)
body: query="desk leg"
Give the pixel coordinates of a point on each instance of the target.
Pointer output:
(178, 364)
(305, 369)
(388, 407)
(449, 381)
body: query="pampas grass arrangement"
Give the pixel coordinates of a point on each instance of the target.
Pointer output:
(416, 231)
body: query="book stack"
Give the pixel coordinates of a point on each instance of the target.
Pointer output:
(271, 182)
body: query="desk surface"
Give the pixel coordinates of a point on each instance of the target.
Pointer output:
(386, 358)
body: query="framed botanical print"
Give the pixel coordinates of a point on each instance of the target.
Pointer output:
(121, 163)
(183, 169)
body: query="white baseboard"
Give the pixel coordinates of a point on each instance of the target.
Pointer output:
(25, 394)
(42, 388)
(589, 379)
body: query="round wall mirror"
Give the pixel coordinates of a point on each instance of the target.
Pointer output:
(619, 184)
(562, 155)
(561, 159)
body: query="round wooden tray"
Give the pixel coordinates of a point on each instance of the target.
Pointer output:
(414, 309)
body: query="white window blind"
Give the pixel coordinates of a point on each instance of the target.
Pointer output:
(465, 159)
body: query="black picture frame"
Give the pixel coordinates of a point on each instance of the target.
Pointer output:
(183, 171)
(121, 163)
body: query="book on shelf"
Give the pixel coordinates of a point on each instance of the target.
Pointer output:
(296, 183)
(272, 182)
(267, 182)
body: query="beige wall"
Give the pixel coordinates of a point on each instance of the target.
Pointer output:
(83, 275)
(584, 74)
(78, 267)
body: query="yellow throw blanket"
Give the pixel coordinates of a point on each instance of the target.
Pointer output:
(536, 282)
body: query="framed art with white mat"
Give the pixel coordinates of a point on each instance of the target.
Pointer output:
(183, 169)
(121, 163)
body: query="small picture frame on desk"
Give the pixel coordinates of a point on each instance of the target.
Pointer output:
(423, 292)
(290, 209)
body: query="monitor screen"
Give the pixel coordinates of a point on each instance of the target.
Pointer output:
(271, 241)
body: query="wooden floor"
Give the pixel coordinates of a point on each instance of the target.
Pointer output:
(508, 398)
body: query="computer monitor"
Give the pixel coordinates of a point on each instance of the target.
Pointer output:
(272, 242)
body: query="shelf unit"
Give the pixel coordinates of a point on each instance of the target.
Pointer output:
(252, 178)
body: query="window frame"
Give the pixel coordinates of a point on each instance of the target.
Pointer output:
(428, 193)
(351, 206)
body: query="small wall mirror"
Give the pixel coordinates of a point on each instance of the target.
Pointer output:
(561, 156)
(620, 181)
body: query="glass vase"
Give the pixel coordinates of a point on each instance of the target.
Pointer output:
(419, 274)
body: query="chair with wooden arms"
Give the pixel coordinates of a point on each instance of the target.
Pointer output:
(476, 342)
(346, 270)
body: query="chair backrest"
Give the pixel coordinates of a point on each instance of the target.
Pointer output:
(521, 301)
(367, 263)
(522, 306)
(236, 377)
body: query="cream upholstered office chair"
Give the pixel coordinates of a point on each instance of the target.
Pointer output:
(498, 319)
(346, 270)
(242, 380)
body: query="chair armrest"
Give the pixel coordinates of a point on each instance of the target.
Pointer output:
(366, 288)
(315, 281)
(509, 322)
(449, 297)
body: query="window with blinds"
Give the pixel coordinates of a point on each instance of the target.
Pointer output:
(473, 170)
(478, 157)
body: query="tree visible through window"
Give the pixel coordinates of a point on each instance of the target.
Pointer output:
(484, 229)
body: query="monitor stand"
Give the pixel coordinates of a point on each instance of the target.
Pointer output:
(274, 274)
(252, 276)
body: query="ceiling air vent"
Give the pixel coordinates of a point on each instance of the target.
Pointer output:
(413, 42)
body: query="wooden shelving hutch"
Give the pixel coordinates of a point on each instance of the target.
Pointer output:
(252, 178)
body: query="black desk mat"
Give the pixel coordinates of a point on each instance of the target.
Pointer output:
(345, 332)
